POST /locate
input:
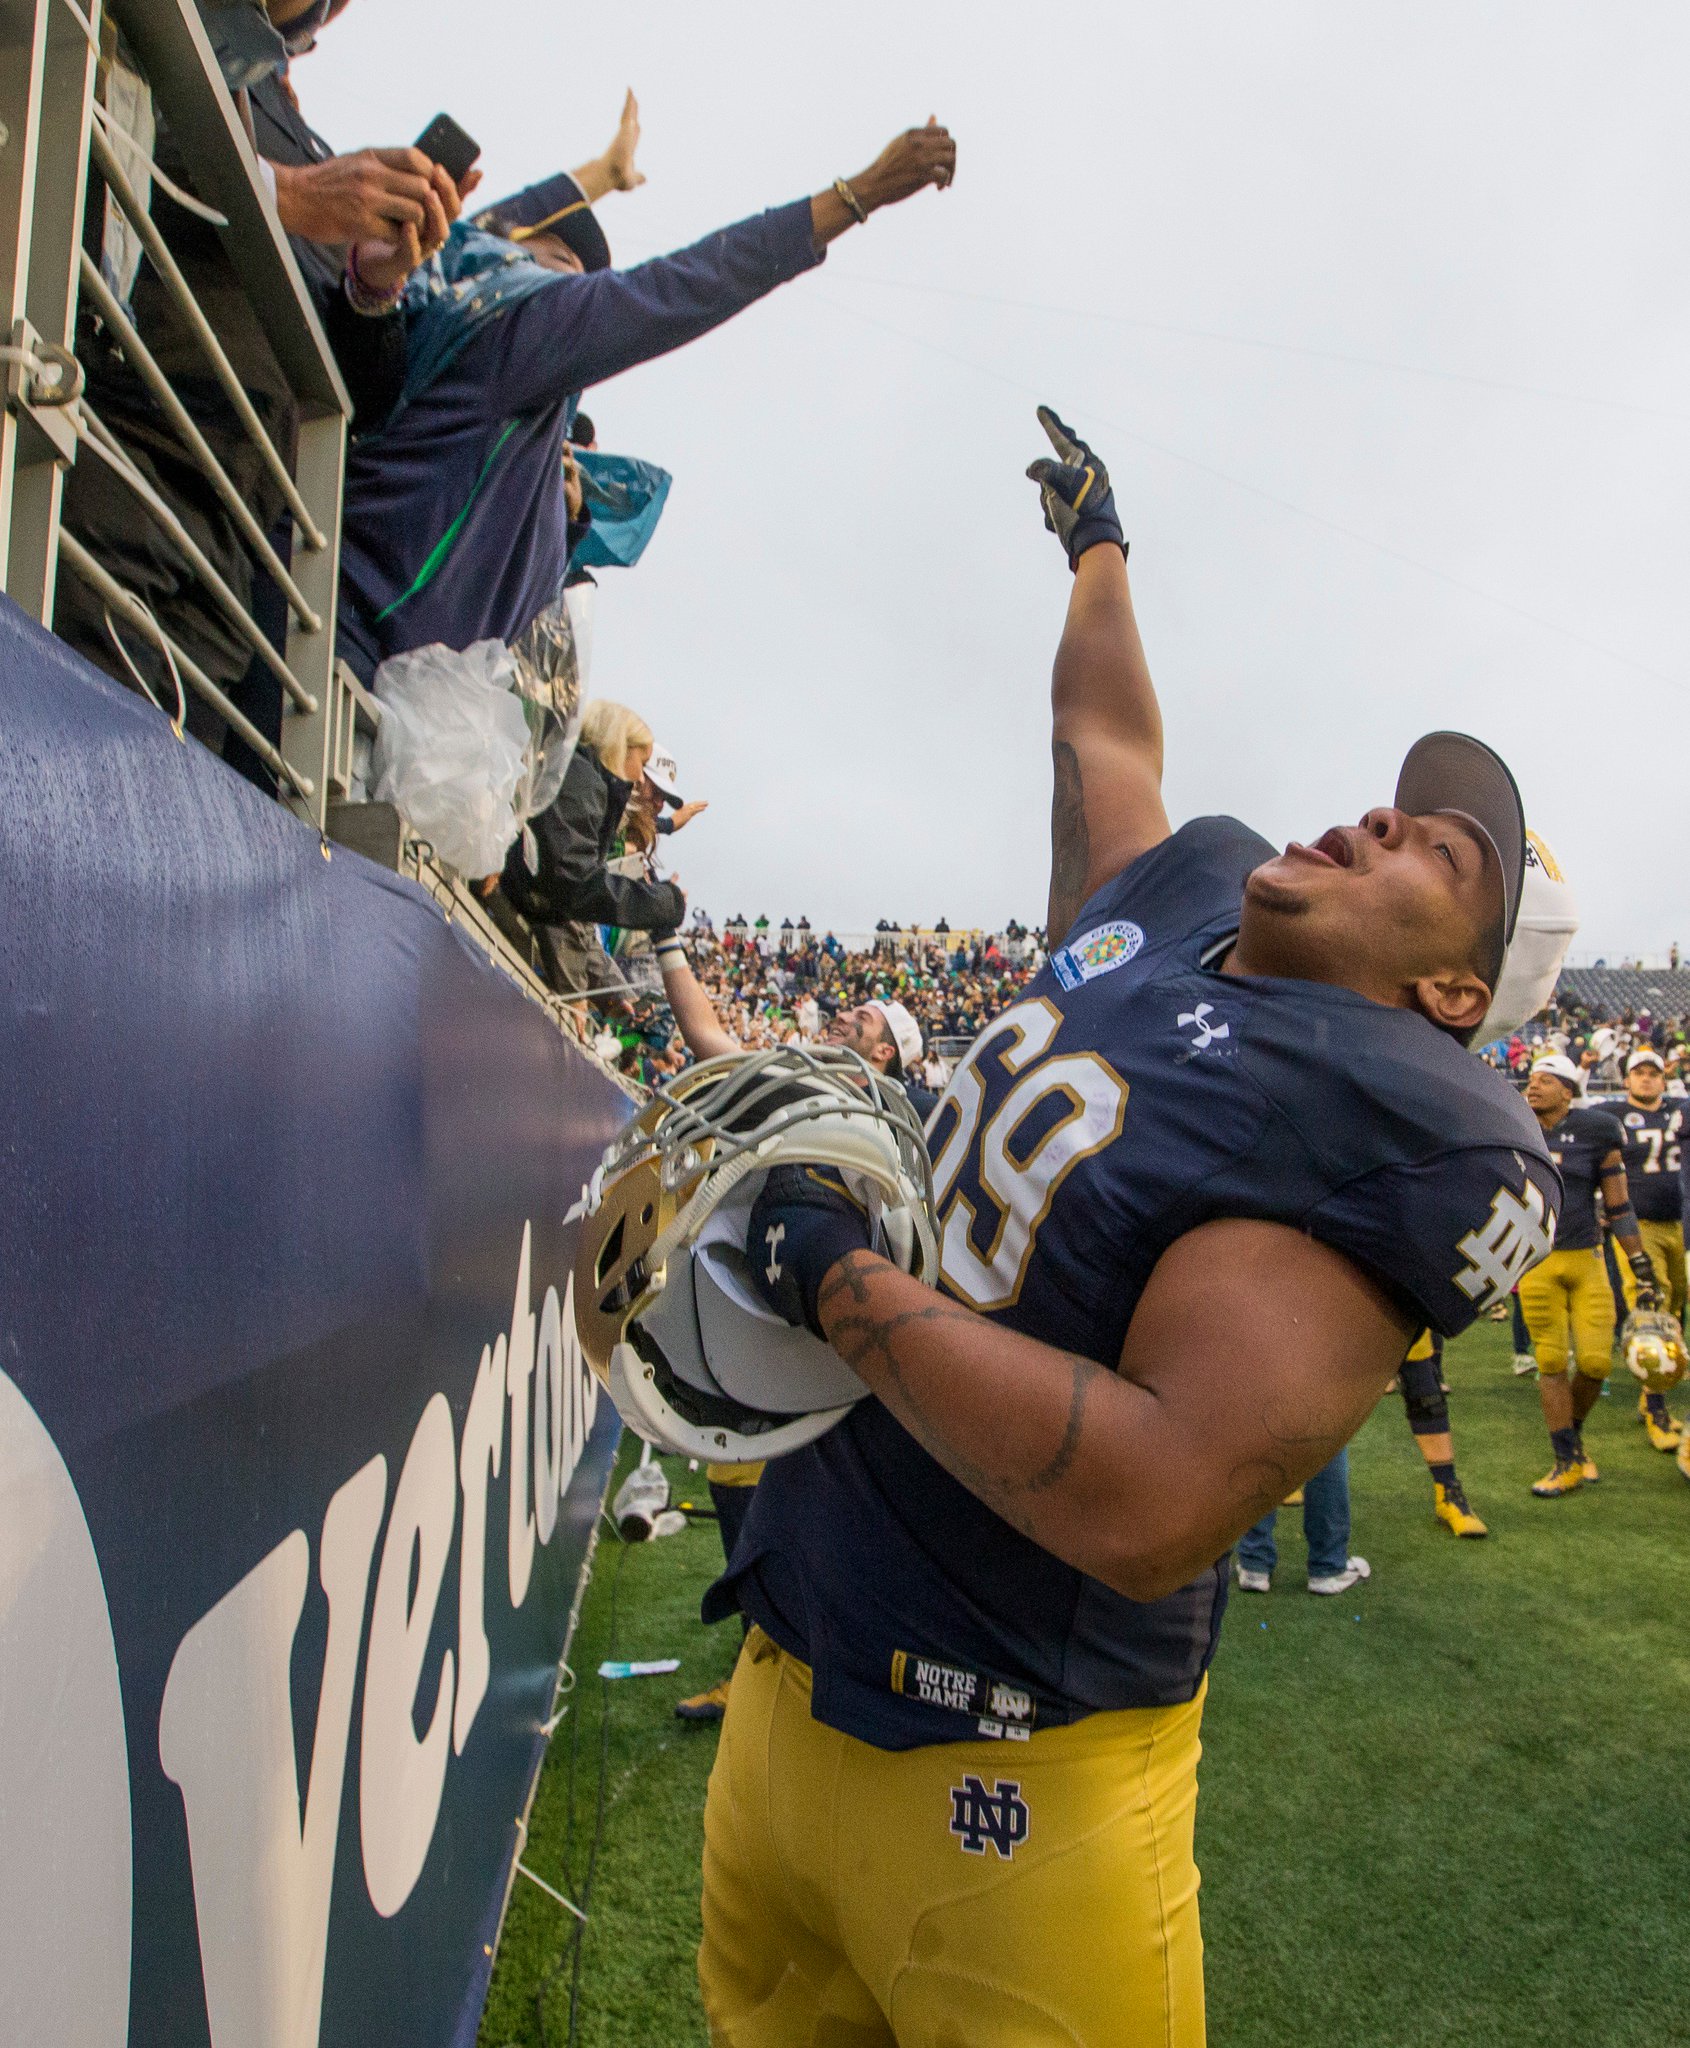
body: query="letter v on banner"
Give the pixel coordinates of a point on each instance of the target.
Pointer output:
(262, 1871)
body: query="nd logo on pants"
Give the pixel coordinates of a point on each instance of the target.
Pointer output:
(1035, 1894)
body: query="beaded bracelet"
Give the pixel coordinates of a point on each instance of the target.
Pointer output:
(367, 298)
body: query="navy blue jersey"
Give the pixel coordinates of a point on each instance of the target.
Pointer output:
(1135, 1093)
(1653, 1144)
(1578, 1145)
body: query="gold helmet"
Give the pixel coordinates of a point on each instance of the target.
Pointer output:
(1653, 1344)
(669, 1315)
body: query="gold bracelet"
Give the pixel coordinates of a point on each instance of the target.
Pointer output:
(851, 200)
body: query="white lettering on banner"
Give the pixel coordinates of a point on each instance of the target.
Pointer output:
(551, 1417)
(519, 1369)
(65, 1878)
(400, 1780)
(262, 1858)
(225, 1736)
(482, 1452)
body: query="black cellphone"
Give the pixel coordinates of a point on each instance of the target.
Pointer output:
(444, 143)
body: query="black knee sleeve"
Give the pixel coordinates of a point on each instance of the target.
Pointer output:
(1423, 1396)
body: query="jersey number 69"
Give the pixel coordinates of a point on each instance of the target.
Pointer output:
(996, 1174)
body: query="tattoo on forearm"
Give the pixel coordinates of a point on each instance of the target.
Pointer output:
(1084, 1372)
(1070, 843)
(864, 1336)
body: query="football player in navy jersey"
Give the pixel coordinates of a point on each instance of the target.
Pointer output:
(955, 1792)
(1568, 1304)
(1653, 1127)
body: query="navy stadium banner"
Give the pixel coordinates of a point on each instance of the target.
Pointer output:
(299, 1460)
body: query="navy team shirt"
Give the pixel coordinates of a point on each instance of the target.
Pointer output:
(1653, 1143)
(1578, 1144)
(1133, 1094)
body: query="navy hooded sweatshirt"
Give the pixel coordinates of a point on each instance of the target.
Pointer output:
(455, 523)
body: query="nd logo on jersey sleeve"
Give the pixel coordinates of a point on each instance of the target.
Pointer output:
(1518, 1233)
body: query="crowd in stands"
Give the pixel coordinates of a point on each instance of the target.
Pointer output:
(478, 500)
(780, 987)
(1598, 1045)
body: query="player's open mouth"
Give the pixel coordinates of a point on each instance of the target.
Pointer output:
(1333, 849)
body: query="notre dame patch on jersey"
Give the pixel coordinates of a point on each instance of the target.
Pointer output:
(1001, 1709)
(1136, 1092)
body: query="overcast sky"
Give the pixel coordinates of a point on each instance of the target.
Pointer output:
(1377, 314)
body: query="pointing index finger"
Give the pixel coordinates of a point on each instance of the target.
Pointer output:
(1061, 436)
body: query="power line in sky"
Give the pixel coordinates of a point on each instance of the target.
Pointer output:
(1290, 348)
(1239, 483)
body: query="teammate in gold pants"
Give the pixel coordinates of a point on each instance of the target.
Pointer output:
(1567, 1302)
(1569, 1309)
(995, 1894)
(1653, 1123)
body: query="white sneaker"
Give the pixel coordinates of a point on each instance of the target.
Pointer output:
(1353, 1573)
(1524, 1363)
(1254, 1582)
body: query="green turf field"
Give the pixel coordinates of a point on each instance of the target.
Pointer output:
(1446, 1809)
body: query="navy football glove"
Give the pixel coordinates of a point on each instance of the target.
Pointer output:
(1643, 1278)
(803, 1220)
(1079, 505)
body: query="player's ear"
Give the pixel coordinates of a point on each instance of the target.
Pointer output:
(1455, 1000)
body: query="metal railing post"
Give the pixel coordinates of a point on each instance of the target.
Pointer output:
(50, 288)
(23, 46)
(308, 737)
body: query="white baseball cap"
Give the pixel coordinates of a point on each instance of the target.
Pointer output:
(1562, 1068)
(906, 1032)
(1645, 1056)
(662, 773)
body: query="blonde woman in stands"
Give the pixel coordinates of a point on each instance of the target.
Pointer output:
(558, 873)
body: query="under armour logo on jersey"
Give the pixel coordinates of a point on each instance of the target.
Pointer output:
(773, 1237)
(999, 1816)
(1207, 1033)
(1519, 1231)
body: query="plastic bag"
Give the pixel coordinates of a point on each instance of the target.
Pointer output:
(450, 750)
(548, 678)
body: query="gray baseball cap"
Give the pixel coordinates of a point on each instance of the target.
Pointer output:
(1450, 771)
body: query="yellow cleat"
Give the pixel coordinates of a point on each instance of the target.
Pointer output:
(1663, 1433)
(1587, 1465)
(1566, 1475)
(1450, 1506)
(705, 1706)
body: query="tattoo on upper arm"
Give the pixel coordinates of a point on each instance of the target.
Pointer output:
(1070, 843)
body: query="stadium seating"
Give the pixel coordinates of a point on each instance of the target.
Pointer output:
(1611, 991)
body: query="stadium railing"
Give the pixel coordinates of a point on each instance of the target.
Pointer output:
(56, 127)
(53, 128)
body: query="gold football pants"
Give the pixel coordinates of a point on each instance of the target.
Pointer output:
(1664, 1242)
(1037, 1894)
(1569, 1308)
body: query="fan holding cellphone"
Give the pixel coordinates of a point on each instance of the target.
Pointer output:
(443, 142)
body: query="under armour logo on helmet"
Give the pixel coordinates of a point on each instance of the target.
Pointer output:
(772, 1238)
(1207, 1032)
